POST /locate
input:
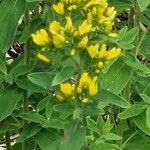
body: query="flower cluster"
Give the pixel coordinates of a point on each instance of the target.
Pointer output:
(85, 87)
(78, 35)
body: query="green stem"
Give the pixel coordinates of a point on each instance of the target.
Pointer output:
(25, 94)
(137, 13)
(122, 123)
(130, 18)
(7, 139)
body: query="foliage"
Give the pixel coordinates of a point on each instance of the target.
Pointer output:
(82, 78)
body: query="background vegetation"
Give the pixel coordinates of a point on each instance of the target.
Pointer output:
(32, 117)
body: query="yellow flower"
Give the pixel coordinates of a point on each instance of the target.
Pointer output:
(91, 2)
(41, 37)
(83, 82)
(84, 27)
(100, 65)
(83, 42)
(43, 58)
(93, 50)
(93, 88)
(89, 17)
(111, 13)
(69, 25)
(58, 40)
(94, 11)
(108, 27)
(72, 7)
(66, 89)
(59, 8)
(113, 53)
(54, 27)
(103, 52)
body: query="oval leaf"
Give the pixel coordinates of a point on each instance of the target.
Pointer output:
(8, 101)
(133, 110)
(42, 79)
(64, 75)
(109, 97)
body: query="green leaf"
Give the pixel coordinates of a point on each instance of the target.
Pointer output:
(29, 1)
(31, 28)
(145, 45)
(148, 117)
(75, 137)
(146, 94)
(63, 108)
(48, 109)
(140, 121)
(143, 4)
(130, 35)
(132, 61)
(9, 124)
(125, 45)
(8, 101)
(27, 85)
(43, 103)
(138, 142)
(117, 76)
(3, 67)
(91, 124)
(77, 112)
(29, 131)
(54, 123)
(109, 97)
(42, 79)
(8, 79)
(104, 146)
(11, 13)
(64, 75)
(33, 116)
(112, 136)
(48, 140)
(20, 70)
(120, 5)
(133, 110)
(122, 32)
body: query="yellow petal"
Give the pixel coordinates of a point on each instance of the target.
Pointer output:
(41, 37)
(72, 7)
(43, 58)
(66, 89)
(84, 27)
(113, 53)
(93, 88)
(93, 50)
(69, 25)
(100, 65)
(84, 82)
(103, 51)
(54, 27)
(58, 40)
(89, 17)
(59, 8)
(83, 42)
